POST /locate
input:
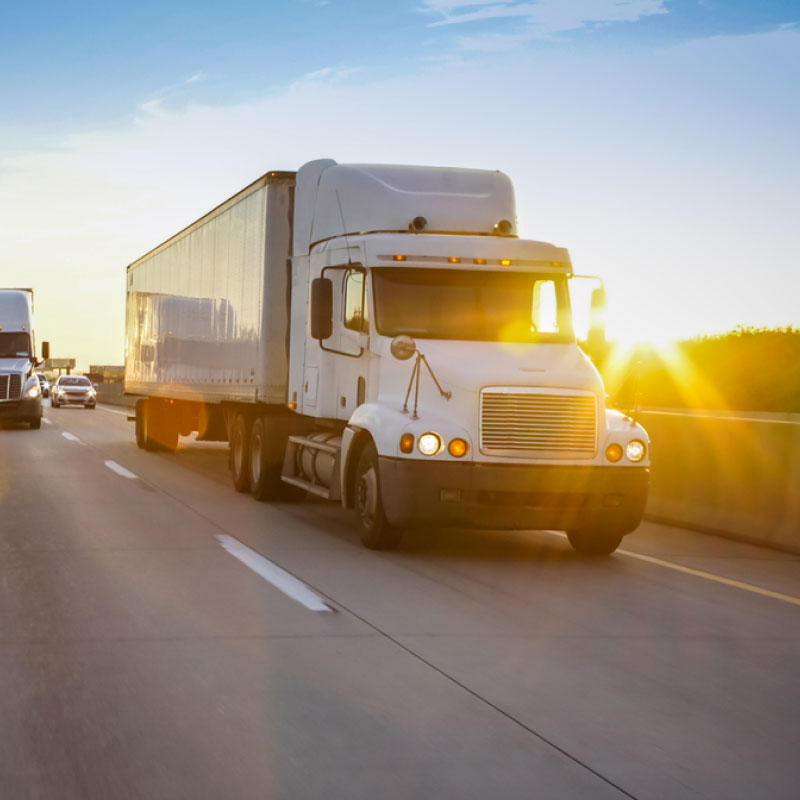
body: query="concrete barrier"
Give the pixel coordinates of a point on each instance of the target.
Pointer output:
(733, 474)
(112, 393)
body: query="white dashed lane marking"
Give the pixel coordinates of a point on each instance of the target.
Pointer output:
(279, 578)
(120, 470)
(72, 437)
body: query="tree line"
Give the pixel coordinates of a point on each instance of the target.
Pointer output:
(746, 369)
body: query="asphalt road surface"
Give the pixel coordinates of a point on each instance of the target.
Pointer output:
(164, 637)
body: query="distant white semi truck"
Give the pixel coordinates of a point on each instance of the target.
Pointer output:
(381, 337)
(20, 392)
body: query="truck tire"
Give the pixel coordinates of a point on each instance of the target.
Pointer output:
(35, 423)
(145, 419)
(594, 542)
(240, 453)
(141, 424)
(376, 532)
(266, 463)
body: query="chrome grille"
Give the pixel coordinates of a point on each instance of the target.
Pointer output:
(10, 387)
(536, 423)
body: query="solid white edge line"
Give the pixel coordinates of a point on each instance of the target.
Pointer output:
(120, 470)
(114, 411)
(279, 578)
(701, 573)
(72, 437)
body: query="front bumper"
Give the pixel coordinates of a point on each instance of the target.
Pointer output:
(511, 496)
(74, 399)
(22, 410)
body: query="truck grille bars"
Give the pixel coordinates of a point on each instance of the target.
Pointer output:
(10, 387)
(537, 423)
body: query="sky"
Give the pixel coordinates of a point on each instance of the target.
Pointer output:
(656, 139)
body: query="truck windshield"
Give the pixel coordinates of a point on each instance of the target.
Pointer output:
(472, 306)
(14, 344)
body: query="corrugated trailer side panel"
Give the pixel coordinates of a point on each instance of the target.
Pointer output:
(207, 310)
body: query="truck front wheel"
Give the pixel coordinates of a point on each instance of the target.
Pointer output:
(376, 532)
(240, 453)
(594, 542)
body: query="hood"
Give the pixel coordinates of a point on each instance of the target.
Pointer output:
(469, 366)
(17, 365)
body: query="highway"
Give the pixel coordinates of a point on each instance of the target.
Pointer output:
(162, 636)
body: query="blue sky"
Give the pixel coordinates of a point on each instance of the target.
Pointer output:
(655, 139)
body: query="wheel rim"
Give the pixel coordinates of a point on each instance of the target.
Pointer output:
(367, 497)
(255, 456)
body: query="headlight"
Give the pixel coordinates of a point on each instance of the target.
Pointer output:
(429, 444)
(33, 391)
(635, 450)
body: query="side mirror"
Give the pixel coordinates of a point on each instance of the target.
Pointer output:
(596, 344)
(45, 351)
(321, 308)
(597, 314)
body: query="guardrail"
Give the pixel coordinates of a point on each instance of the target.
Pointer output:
(732, 474)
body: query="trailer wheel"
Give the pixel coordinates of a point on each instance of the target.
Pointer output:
(594, 542)
(266, 463)
(376, 532)
(145, 422)
(240, 453)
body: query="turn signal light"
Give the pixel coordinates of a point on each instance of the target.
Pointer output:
(458, 448)
(614, 452)
(407, 443)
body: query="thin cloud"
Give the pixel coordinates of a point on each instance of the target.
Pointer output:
(544, 17)
(324, 75)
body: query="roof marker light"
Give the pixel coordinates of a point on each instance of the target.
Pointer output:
(399, 258)
(453, 260)
(505, 262)
(478, 260)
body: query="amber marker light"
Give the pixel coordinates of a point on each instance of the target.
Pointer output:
(453, 260)
(458, 448)
(505, 262)
(614, 452)
(478, 260)
(399, 258)
(407, 443)
(293, 406)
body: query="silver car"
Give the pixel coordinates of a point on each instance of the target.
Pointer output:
(73, 390)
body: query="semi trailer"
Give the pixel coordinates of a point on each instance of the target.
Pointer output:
(381, 337)
(20, 391)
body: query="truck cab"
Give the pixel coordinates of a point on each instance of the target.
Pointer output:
(439, 346)
(20, 391)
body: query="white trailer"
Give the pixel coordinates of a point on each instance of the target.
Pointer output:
(20, 392)
(381, 337)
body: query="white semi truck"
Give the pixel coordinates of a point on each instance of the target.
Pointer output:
(381, 337)
(20, 392)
